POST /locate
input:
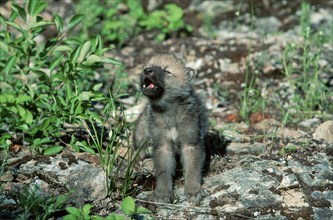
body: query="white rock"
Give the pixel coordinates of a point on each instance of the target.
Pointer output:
(324, 131)
(289, 133)
(246, 148)
(309, 123)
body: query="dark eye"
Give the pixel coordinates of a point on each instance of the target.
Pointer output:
(167, 72)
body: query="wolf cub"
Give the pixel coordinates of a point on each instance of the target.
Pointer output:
(174, 121)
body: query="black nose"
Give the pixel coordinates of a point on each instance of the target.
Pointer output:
(148, 71)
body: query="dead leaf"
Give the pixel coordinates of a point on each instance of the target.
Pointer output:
(233, 117)
(258, 117)
(16, 148)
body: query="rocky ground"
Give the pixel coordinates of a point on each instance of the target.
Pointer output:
(263, 169)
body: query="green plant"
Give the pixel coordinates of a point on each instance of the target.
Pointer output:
(121, 20)
(5, 142)
(208, 25)
(44, 85)
(166, 21)
(35, 205)
(288, 149)
(251, 100)
(309, 94)
(127, 206)
(108, 153)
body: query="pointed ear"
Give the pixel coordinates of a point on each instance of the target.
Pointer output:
(190, 73)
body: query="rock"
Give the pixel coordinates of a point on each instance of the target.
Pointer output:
(322, 213)
(294, 198)
(289, 181)
(86, 181)
(148, 165)
(324, 131)
(270, 217)
(133, 113)
(234, 136)
(309, 123)
(289, 133)
(317, 173)
(246, 148)
(327, 195)
(40, 186)
(268, 24)
(6, 176)
(214, 8)
(263, 189)
(244, 187)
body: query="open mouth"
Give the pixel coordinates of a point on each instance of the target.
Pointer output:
(151, 87)
(148, 83)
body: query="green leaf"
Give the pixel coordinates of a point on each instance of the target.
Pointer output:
(20, 11)
(41, 24)
(111, 61)
(69, 92)
(78, 109)
(74, 21)
(10, 64)
(13, 109)
(22, 98)
(55, 63)
(75, 54)
(96, 117)
(42, 75)
(143, 210)
(36, 6)
(61, 199)
(99, 43)
(96, 217)
(28, 117)
(85, 96)
(175, 13)
(86, 208)
(53, 150)
(6, 97)
(71, 217)
(84, 51)
(92, 59)
(45, 123)
(97, 87)
(58, 23)
(128, 206)
(72, 41)
(115, 217)
(62, 48)
(74, 211)
(39, 141)
(84, 147)
(12, 16)
(14, 25)
(21, 110)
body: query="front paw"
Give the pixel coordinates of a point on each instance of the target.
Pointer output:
(162, 196)
(194, 197)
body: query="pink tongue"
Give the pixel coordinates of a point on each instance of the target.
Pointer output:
(151, 85)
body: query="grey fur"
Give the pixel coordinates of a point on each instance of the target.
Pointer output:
(173, 122)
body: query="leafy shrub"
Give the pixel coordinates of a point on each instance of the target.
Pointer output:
(127, 207)
(120, 20)
(34, 205)
(44, 85)
(47, 85)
